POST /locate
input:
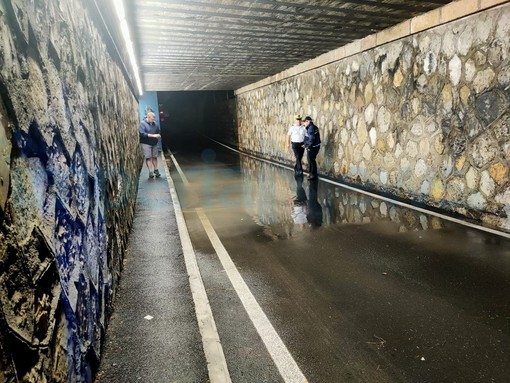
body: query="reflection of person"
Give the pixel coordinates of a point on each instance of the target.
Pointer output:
(149, 135)
(299, 211)
(312, 145)
(300, 192)
(296, 136)
(314, 213)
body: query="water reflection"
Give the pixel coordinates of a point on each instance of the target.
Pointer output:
(279, 201)
(300, 191)
(299, 210)
(314, 214)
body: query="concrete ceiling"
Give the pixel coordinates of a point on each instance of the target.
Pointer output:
(227, 44)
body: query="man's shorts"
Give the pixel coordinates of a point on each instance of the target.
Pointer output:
(149, 151)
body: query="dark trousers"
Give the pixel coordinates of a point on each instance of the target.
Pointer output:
(297, 148)
(312, 164)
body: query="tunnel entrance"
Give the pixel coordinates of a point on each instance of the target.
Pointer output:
(188, 117)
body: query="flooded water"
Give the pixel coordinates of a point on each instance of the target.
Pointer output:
(359, 288)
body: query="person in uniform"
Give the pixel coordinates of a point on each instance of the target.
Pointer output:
(312, 143)
(296, 137)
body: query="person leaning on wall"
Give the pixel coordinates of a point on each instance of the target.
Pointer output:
(296, 137)
(149, 136)
(312, 145)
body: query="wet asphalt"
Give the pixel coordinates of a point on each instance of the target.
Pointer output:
(358, 289)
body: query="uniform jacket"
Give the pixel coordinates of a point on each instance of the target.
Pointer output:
(312, 137)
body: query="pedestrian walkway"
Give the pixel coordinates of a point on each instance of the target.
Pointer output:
(153, 335)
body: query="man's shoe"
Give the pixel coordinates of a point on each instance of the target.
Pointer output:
(151, 175)
(156, 173)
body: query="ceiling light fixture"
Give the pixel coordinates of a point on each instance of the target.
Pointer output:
(119, 7)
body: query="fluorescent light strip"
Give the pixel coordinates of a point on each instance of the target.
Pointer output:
(121, 13)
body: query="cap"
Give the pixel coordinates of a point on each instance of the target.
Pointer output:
(298, 117)
(307, 118)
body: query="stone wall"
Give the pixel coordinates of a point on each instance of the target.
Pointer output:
(68, 180)
(424, 118)
(306, 205)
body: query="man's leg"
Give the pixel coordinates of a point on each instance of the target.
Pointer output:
(155, 166)
(148, 162)
(147, 153)
(309, 156)
(298, 154)
(157, 174)
(312, 154)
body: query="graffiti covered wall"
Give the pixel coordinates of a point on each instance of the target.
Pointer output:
(68, 182)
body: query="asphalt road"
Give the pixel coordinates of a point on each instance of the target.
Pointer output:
(305, 282)
(358, 289)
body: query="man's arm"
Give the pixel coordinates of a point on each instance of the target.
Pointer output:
(141, 130)
(143, 133)
(306, 142)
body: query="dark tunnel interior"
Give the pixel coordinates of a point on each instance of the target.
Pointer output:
(189, 117)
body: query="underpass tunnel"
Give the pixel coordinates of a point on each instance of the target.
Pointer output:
(411, 99)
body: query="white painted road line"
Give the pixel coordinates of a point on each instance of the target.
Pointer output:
(179, 170)
(216, 363)
(282, 358)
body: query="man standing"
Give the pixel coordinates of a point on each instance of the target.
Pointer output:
(296, 136)
(312, 145)
(149, 135)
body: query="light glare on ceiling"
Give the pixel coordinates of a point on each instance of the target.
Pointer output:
(119, 7)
